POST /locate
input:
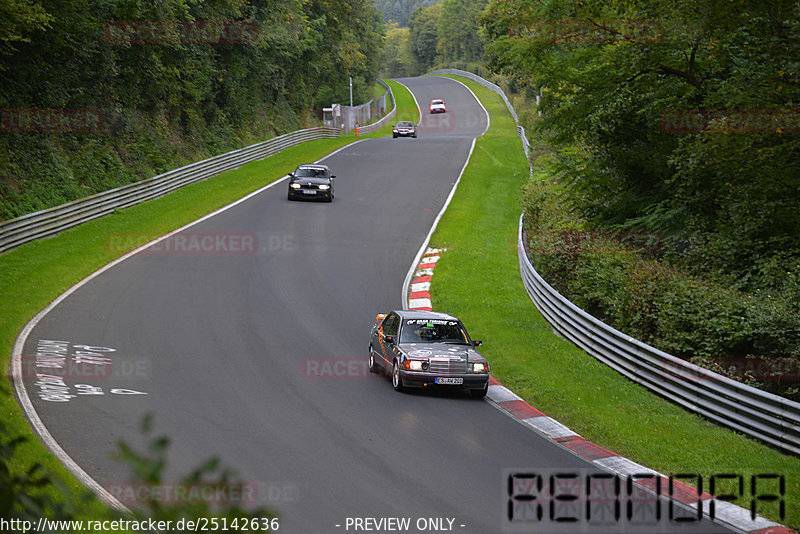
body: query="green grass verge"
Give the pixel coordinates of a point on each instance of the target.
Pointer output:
(478, 280)
(406, 105)
(34, 274)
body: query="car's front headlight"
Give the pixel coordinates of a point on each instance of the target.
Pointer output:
(294, 186)
(480, 367)
(324, 187)
(414, 365)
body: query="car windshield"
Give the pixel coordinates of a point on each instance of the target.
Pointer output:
(433, 331)
(405, 124)
(310, 173)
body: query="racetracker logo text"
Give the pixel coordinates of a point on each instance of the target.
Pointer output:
(180, 493)
(186, 243)
(336, 369)
(731, 121)
(180, 32)
(51, 120)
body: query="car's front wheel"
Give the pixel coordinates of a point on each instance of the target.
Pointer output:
(397, 382)
(373, 367)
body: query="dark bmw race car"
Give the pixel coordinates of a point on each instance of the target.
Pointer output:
(311, 181)
(427, 349)
(404, 129)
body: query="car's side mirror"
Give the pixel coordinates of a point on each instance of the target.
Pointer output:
(477, 342)
(388, 339)
(333, 176)
(291, 174)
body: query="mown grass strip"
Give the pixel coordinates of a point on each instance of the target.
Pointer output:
(478, 280)
(34, 274)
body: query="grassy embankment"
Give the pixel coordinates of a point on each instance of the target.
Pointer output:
(33, 275)
(478, 280)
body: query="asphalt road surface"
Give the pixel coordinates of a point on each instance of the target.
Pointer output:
(246, 338)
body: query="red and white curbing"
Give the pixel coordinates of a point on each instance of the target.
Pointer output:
(419, 297)
(728, 514)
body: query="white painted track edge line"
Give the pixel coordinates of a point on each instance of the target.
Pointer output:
(21, 391)
(424, 246)
(419, 109)
(488, 118)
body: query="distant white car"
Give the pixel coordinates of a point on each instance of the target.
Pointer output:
(437, 106)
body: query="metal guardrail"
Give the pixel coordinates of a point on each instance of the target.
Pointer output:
(746, 409)
(375, 126)
(16, 232)
(44, 223)
(751, 411)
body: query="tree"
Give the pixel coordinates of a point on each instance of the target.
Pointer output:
(722, 191)
(397, 59)
(459, 38)
(423, 27)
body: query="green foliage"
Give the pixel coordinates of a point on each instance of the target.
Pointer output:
(423, 27)
(397, 60)
(459, 38)
(725, 199)
(148, 469)
(399, 11)
(166, 103)
(690, 317)
(447, 34)
(20, 493)
(19, 18)
(22, 496)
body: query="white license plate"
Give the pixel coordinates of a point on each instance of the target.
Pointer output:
(448, 381)
(309, 192)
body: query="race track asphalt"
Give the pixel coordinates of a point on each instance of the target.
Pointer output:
(258, 355)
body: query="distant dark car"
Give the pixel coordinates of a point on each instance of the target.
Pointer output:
(311, 182)
(427, 350)
(437, 106)
(404, 129)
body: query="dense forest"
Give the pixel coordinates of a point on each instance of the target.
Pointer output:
(399, 11)
(446, 33)
(98, 94)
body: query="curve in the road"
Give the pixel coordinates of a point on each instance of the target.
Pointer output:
(253, 349)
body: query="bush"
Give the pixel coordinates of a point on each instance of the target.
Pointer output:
(696, 319)
(26, 496)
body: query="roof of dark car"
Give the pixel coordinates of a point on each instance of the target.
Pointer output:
(312, 166)
(415, 314)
